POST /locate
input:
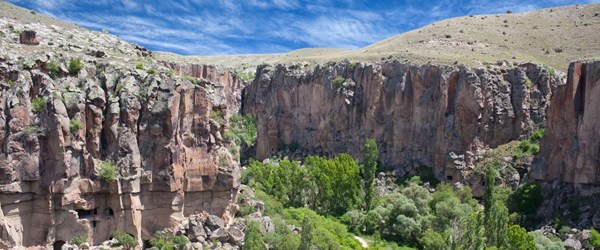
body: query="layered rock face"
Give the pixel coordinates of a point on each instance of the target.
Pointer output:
(438, 116)
(57, 134)
(570, 150)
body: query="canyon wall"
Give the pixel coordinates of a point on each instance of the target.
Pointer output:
(56, 134)
(437, 116)
(570, 150)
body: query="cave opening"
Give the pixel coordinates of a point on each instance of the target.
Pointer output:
(83, 213)
(109, 212)
(58, 245)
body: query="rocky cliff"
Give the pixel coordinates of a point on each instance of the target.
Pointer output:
(438, 116)
(570, 151)
(59, 133)
(568, 164)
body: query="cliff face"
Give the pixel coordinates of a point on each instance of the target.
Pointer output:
(570, 150)
(57, 134)
(438, 116)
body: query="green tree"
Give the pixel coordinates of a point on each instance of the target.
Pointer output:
(335, 184)
(495, 212)
(433, 240)
(519, 239)
(254, 238)
(370, 168)
(306, 237)
(125, 240)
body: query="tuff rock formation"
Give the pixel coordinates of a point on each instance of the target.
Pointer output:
(570, 150)
(162, 133)
(438, 116)
(568, 164)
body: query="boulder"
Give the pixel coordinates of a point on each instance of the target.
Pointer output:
(28, 37)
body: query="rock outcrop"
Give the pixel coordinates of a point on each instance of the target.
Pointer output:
(570, 150)
(59, 134)
(438, 116)
(568, 164)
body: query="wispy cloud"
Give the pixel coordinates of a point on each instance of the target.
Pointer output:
(205, 27)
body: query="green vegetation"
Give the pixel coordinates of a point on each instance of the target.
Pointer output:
(519, 239)
(525, 202)
(75, 125)
(39, 104)
(352, 66)
(193, 80)
(75, 65)
(139, 66)
(242, 129)
(528, 83)
(53, 69)
(78, 240)
(170, 73)
(108, 171)
(338, 82)
(369, 170)
(248, 76)
(254, 238)
(218, 116)
(32, 129)
(530, 147)
(151, 71)
(595, 238)
(546, 242)
(168, 241)
(125, 240)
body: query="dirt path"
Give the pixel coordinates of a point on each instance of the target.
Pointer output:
(362, 241)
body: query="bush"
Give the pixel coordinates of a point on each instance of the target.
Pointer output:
(78, 240)
(242, 129)
(519, 239)
(167, 241)
(525, 201)
(338, 82)
(75, 125)
(246, 210)
(170, 73)
(537, 135)
(75, 65)
(53, 69)
(139, 66)
(125, 240)
(151, 71)
(595, 238)
(39, 104)
(254, 238)
(108, 171)
(218, 116)
(546, 243)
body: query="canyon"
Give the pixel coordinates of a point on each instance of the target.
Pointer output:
(162, 123)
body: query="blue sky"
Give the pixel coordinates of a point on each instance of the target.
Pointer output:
(218, 27)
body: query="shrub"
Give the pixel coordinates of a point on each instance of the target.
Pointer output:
(125, 240)
(537, 135)
(352, 66)
(338, 82)
(75, 125)
(108, 171)
(170, 73)
(193, 80)
(595, 238)
(525, 201)
(242, 129)
(39, 104)
(53, 69)
(32, 129)
(167, 241)
(78, 240)
(519, 239)
(139, 66)
(75, 65)
(248, 76)
(246, 210)
(218, 116)
(151, 71)
(254, 238)
(546, 243)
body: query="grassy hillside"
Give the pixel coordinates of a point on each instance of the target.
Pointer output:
(553, 37)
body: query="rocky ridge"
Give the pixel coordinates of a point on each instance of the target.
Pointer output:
(443, 117)
(69, 116)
